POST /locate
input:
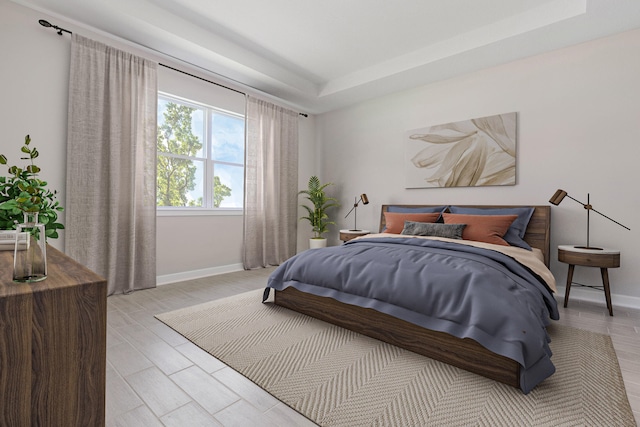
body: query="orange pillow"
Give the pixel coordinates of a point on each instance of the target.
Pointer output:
(482, 228)
(394, 221)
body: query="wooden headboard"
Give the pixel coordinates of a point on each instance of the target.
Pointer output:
(538, 231)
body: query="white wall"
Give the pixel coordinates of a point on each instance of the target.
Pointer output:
(34, 81)
(34, 76)
(308, 165)
(578, 129)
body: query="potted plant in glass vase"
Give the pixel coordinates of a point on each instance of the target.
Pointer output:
(30, 208)
(317, 213)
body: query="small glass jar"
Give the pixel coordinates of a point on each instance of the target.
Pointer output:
(30, 256)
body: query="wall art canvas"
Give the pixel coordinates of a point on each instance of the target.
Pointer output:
(470, 153)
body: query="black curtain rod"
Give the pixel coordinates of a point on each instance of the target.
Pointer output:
(200, 78)
(59, 30)
(212, 82)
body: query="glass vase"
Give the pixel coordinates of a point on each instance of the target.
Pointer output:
(30, 256)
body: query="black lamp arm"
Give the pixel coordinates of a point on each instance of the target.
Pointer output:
(611, 219)
(589, 207)
(355, 205)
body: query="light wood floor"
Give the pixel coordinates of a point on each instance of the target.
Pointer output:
(155, 377)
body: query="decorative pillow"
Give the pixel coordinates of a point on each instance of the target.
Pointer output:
(451, 231)
(416, 209)
(395, 220)
(513, 236)
(482, 228)
(421, 209)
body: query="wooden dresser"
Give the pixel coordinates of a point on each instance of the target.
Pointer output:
(52, 345)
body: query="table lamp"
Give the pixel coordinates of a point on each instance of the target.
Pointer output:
(365, 201)
(559, 195)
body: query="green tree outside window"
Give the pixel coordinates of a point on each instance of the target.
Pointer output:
(176, 170)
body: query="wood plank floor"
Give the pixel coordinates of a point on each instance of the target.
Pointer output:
(155, 377)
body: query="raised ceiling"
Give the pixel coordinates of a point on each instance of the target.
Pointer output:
(324, 55)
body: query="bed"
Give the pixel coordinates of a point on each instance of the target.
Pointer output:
(514, 347)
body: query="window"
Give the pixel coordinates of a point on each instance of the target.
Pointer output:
(200, 156)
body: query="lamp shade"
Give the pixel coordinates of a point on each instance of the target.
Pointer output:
(557, 197)
(364, 198)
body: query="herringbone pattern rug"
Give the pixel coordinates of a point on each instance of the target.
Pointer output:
(336, 377)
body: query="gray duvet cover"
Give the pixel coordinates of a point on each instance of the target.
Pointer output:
(462, 290)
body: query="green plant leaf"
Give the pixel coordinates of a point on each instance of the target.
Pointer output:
(317, 215)
(23, 191)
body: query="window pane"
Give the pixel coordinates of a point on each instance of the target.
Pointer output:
(196, 142)
(162, 107)
(180, 128)
(228, 186)
(179, 181)
(228, 138)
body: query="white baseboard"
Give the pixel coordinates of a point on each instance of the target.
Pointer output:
(596, 296)
(197, 274)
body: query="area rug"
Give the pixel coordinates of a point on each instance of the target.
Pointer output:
(336, 377)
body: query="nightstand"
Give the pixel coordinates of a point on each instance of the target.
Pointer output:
(346, 235)
(602, 258)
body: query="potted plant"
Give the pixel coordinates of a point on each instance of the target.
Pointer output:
(23, 192)
(317, 213)
(29, 207)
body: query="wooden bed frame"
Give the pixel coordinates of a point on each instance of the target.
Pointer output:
(464, 353)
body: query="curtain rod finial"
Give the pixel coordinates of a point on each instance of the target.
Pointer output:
(48, 24)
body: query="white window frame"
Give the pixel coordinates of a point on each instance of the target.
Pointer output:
(209, 164)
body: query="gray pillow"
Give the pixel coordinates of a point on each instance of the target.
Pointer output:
(451, 231)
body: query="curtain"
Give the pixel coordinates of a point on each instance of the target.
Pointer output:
(111, 164)
(271, 184)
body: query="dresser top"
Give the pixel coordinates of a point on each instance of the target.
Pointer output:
(62, 272)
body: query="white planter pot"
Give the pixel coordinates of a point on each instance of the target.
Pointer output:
(317, 243)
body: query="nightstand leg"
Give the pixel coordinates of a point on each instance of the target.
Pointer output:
(607, 291)
(569, 281)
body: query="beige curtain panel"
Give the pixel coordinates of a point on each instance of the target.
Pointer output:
(271, 184)
(111, 164)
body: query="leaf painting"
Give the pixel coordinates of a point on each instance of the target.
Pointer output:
(470, 153)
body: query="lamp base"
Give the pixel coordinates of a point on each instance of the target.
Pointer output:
(589, 247)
